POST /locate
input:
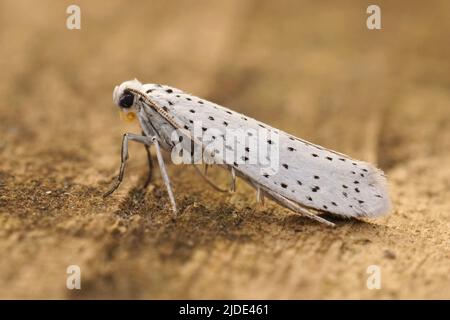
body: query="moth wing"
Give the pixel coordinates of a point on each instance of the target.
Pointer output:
(305, 173)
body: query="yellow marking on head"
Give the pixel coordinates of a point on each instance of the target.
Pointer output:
(130, 117)
(127, 117)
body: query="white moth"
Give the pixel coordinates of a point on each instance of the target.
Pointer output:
(308, 178)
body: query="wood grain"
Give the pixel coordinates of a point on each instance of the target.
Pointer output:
(310, 68)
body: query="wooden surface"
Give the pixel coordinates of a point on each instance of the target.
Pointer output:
(310, 68)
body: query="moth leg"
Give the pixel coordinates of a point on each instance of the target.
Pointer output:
(260, 199)
(124, 157)
(150, 167)
(233, 180)
(164, 175)
(208, 181)
(259, 196)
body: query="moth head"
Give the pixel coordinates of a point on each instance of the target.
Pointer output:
(124, 98)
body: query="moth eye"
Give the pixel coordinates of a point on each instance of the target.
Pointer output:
(126, 100)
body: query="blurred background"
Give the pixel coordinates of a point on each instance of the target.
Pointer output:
(311, 68)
